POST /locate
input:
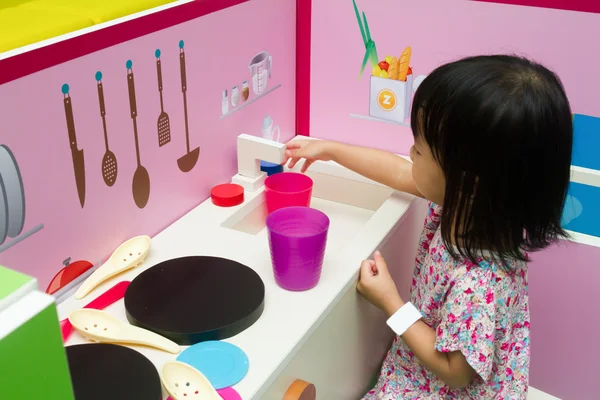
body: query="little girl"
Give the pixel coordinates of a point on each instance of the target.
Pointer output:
(492, 155)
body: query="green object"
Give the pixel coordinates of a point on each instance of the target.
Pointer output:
(367, 31)
(11, 281)
(33, 362)
(371, 49)
(369, 57)
(362, 29)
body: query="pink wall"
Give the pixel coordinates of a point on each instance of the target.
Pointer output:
(563, 293)
(218, 49)
(563, 279)
(438, 31)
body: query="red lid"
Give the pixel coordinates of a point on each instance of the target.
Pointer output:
(227, 195)
(68, 274)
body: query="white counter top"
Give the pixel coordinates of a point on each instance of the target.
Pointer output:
(289, 317)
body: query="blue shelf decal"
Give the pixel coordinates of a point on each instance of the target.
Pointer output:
(586, 146)
(582, 210)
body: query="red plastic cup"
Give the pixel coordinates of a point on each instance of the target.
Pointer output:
(287, 189)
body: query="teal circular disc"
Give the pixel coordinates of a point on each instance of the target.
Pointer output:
(223, 364)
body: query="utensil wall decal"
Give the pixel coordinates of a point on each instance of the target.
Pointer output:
(76, 154)
(141, 180)
(187, 161)
(109, 161)
(164, 128)
(12, 201)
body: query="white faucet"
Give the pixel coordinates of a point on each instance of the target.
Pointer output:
(250, 151)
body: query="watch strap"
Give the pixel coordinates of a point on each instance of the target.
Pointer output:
(404, 318)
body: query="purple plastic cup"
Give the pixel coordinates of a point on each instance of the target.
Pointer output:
(297, 240)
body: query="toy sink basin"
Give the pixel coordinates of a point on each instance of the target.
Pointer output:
(352, 203)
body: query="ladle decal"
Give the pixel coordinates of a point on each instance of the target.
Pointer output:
(187, 161)
(141, 180)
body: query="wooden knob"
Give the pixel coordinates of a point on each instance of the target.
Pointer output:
(301, 390)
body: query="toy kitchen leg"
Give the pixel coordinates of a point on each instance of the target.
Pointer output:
(33, 362)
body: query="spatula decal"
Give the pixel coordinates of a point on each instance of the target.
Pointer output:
(163, 124)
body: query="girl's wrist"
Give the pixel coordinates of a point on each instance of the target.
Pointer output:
(393, 305)
(329, 150)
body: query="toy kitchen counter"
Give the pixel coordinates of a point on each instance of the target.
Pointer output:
(327, 336)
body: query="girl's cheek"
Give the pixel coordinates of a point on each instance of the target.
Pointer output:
(415, 174)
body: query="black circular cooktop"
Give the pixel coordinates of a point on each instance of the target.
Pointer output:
(195, 299)
(107, 371)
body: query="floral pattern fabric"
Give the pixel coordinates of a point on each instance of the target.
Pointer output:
(478, 309)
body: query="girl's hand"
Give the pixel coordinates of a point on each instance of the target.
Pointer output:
(377, 286)
(311, 150)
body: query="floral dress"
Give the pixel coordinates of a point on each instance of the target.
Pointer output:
(478, 309)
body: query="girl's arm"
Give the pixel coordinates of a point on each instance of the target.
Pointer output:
(378, 287)
(452, 368)
(381, 166)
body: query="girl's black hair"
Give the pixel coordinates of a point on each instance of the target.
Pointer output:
(501, 129)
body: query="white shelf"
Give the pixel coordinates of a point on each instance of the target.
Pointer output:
(358, 116)
(250, 101)
(582, 238)
(585, 176)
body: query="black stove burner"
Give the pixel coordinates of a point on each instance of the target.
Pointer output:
(107, 371)
(195, 299)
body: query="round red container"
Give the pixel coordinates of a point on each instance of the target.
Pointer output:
(227, 195)
(287, 189)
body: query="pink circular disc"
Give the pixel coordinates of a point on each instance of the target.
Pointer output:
(229, 394)
(226, 394)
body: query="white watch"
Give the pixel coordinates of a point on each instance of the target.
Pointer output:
(404, 318)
